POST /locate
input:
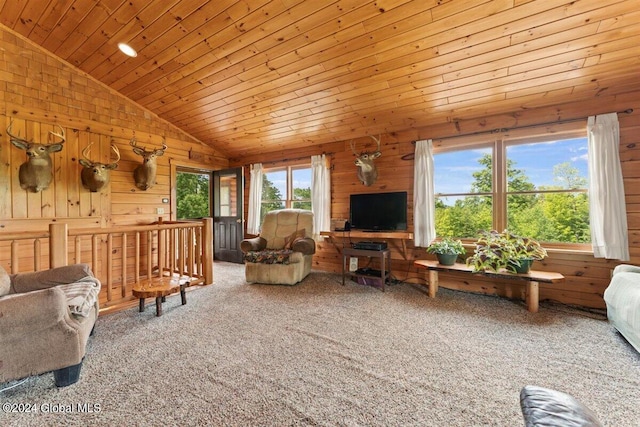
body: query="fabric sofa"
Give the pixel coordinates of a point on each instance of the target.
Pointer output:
(283, 252)
(46, 318)
(622, 297)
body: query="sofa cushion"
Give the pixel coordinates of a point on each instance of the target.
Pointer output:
(5, 282)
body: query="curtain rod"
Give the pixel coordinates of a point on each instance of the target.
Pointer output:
(291, 159)
(498, 130)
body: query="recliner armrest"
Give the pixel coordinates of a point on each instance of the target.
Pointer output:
(306, 245)
(253, 244)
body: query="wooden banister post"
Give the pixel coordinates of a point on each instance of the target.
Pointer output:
(207, 249)
(58, 237)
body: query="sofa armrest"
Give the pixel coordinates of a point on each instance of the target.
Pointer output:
(36, 280)
(23, 314)
(253, 244)
(306, 245)
(626, 268)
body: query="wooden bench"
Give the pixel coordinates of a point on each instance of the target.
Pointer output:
(159, 288)
(532, 279)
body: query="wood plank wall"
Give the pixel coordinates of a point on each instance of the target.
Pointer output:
(586, 277)
(38, 91)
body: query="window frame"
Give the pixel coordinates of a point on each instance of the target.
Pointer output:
(288, 201)
(500, 193)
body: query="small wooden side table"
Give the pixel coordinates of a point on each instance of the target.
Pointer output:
(384, 256)
(159, 288)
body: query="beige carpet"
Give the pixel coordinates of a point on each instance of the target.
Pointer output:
(320, 354)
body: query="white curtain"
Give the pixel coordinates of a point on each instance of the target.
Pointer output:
(607, 206)
(320, 195)
(424, 202)
(255, 199)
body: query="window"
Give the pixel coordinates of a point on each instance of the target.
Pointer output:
(287, 187)
(192, 194)
(532, 188)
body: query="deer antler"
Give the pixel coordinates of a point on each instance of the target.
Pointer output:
(86, 151)
(164, 146)
(16, 137)
(377, 140)
(133, 142)
(352, 145)
(115, 150)
(59, 135)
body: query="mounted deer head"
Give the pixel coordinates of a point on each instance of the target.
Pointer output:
(95, 175)
(367, 171)
(145, 174)
(35, 174)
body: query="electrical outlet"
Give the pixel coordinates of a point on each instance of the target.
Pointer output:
(353, 263)
(160, 211)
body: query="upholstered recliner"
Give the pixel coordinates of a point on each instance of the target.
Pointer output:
(283, 252)
(46, 318)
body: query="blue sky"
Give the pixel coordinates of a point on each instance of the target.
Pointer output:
(301, 179)
(454, 169)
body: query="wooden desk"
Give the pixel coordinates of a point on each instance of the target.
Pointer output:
(532, 279)
(394, 237)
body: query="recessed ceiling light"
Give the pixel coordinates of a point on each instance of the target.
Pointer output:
(127, 50)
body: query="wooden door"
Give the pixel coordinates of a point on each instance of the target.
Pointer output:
(228, 209)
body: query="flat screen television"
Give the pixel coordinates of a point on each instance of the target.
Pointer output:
(379, 211)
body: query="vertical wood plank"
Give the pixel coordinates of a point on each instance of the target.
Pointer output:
(58, 245)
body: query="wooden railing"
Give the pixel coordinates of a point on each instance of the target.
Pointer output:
(119, 256)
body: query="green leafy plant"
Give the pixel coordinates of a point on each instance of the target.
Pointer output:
(446, 250)
(496, 251)
(446, 245)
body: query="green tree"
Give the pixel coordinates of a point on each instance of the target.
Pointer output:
(302, 198)
(192, 195)
(550, 217)
(271, 197)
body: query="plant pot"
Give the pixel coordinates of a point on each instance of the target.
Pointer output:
(447, 259)
(524, 265)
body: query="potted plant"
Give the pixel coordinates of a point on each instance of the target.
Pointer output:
(446, 250)
(497, 251)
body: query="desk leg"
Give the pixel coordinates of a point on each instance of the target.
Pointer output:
(383, 269)
(344, 261)
(532, 296)
(433, 283)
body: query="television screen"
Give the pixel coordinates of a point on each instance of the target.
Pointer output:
(379, 211)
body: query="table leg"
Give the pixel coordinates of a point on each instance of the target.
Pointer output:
(532, 296)
(141, 305)
(183, 294)
(383, 269)
(433, 283)
(158, 306)
(344, 262)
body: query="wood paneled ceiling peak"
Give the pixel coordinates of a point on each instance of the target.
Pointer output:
(268, 75)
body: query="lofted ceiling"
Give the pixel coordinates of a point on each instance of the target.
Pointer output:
(267, 75)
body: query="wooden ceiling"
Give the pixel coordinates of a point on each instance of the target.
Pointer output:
(266, 75)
